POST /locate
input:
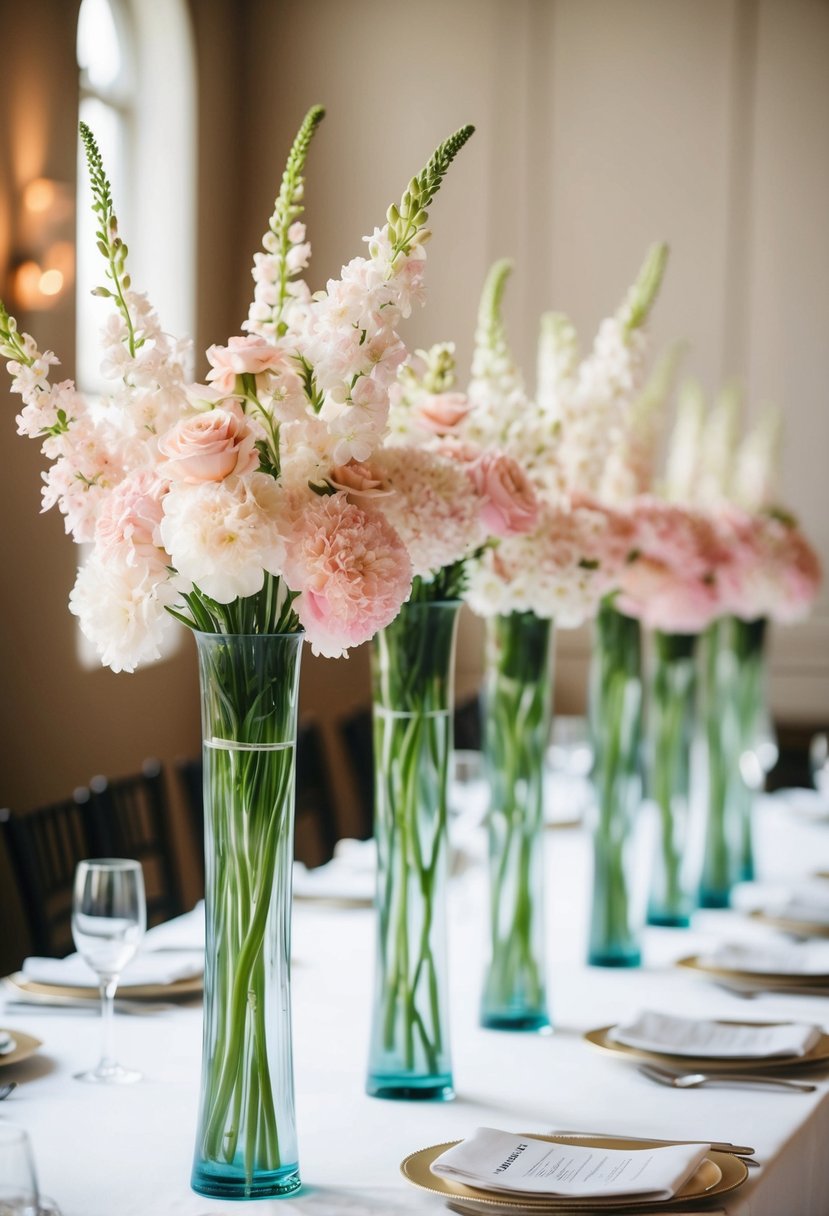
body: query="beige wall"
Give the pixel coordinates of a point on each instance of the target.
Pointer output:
(602, 125)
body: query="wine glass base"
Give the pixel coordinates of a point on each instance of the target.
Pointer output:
(109, 1074)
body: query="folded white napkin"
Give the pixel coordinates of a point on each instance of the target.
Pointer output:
(812, 804)
(163, 967)
(504, 1161)
(810, 904)
(182, 933)
(724, 1040)
(809, 959)
(349, 877)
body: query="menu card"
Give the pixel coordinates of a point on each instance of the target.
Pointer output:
(503, 1161)
(726, 1040)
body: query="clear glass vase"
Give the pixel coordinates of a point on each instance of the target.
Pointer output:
(518, 693)
(246, 1142)
(734, 696)
(413, 662)
(671, 726)
(618, 903)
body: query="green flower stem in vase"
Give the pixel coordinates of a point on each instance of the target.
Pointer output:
(615, 721)
(246, 1142)
(518, 694)
(413, 681)
(671, 722)
(734, 702)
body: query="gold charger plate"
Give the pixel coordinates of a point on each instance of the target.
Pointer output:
(192, 986)
(797, 928)
(27, 1045)
(816, 1055)
(718, 1173)
(777, 979)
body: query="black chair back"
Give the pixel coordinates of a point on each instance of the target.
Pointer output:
(44, 846)
(316, 830)
(131, 818)
(357, 736)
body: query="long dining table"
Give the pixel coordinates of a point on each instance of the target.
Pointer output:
(127, 1150)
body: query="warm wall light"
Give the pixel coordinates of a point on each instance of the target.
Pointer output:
(44, 266)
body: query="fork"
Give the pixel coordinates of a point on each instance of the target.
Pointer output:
(6, 1089)
(691, 1080)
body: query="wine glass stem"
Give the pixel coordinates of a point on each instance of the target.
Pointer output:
(107, 988)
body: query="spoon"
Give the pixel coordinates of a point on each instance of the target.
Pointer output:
(6, 1089)
(690, 1080)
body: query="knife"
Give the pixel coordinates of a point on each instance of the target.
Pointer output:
(717, 1146)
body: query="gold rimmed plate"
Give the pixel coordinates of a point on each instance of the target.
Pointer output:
(782, 979)
(797, 928)
(192, 986)
(717, 1174)
(25, 1045)
(818, 1054)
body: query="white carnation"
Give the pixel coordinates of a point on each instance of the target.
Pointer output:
(223, 536)
(121, 609)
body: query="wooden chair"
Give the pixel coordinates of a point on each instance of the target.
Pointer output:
(44, 846)
(131, 818)
(316, 830)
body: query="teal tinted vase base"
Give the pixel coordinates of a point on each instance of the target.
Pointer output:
(411, 1089)
(217, 1182)
(669, 920)
(714, 899)
(615, 958)
(538, 1023)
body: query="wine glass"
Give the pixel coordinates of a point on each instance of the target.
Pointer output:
(109, 915)
(19, 1195)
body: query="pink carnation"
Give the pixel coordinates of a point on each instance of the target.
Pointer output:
(241, 356)
(672, 581)
(129, 524)
(350, 568)
(509, 506)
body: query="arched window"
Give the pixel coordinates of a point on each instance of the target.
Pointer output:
(138, 96)
(137, 87)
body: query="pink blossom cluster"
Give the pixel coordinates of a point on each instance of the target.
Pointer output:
(450, 496)
(772, 570)
(672, 578)
(560, 570)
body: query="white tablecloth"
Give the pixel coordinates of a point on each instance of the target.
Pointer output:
(127, 1151)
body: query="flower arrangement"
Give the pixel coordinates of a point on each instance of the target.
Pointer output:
(767, 568)
(563, 440)
(217, 503)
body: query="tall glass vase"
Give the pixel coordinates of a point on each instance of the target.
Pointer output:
(618, 903)
(246, 1142)
(734, 707)
(671, 724)
(518, 693)
(413, 663)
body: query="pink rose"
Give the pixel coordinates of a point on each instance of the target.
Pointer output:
(241, 356)
(510, 506)
(209, 446)
(443, 412)
(357, 479)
